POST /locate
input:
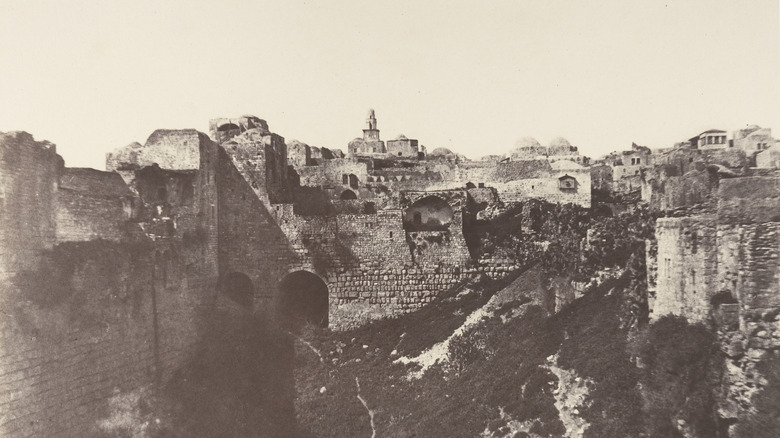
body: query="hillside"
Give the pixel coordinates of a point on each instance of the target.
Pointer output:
(507, 369)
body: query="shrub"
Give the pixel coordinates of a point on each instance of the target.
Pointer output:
(682, 365)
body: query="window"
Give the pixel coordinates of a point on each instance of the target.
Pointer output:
(345, 179)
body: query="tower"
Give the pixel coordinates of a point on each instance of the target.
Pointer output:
(371, 133)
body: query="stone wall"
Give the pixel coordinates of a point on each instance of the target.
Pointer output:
(168, 148)
(262, 160)
(687, 266)
(29, 172)
(330, 173)
(113, 305)
(729, 257)
(250, 240)
(94, 205)
(95, 320)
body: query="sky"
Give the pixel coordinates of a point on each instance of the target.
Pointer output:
(472, 76)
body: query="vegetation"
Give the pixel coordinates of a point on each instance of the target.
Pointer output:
(682, 367)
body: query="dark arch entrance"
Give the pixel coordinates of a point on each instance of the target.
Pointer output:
(348, 195)
(239, 288)
(303, 299)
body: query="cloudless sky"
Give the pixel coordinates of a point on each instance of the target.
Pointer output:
(473, 76)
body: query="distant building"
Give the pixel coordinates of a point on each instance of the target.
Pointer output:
(370, 144)
(753, 138)
(403, 147)
(710, 139)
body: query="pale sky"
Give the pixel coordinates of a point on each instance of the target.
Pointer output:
(472, 76)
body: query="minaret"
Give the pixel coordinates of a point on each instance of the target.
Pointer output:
(371, 133)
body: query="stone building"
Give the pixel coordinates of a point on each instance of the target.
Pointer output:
(753, 139)
(620, 173)
(404, 147)
(710, 139)
(370, 144)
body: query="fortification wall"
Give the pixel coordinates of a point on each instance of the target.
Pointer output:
(262, 160)
(29, 174)
(250, 240)
(92, 204)
(107, 310)
(97, 319)
(687, 266)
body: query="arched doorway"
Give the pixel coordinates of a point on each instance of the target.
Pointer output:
(348, 195)
(428, 214)
(303, 299)
(239, 288)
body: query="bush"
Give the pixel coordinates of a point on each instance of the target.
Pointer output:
(682, 365)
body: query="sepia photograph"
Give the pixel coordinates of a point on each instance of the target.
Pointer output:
(370, 219)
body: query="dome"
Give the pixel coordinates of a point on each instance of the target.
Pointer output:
(559, 142)
(527, 142)
(401, 137)
(527, 148)
(441, 152)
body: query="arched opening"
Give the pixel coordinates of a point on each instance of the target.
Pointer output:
(347, 195)
(227, 127)
(303, 299)
(428, 214)
(353, 181)
(239, 288)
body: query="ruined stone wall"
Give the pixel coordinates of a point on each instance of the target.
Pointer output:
(114, 307)
(690, 189)
(29, 173)
(96, 320)
(687, 266)
(250, 240)
(749, 249)
(545, 188)
(330, 172)
(92, 204)
(262, 160)
(733, 254)
(175, 149)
